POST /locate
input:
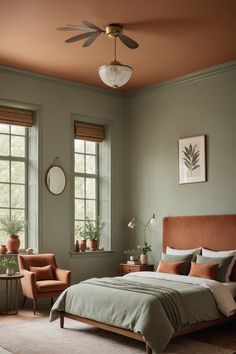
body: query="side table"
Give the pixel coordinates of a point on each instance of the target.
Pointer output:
(11, 305)
(127, 268)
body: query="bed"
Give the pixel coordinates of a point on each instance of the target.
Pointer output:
(215, 232)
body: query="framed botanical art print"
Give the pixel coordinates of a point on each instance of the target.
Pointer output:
(192, 159)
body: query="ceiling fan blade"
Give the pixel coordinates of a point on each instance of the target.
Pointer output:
(128, 41)
(91, 39)
(92, 26)
(71, 28)
(79, 37)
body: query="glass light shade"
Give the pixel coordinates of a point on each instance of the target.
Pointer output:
(115, 74)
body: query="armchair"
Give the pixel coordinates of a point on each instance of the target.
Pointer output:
(42, 278)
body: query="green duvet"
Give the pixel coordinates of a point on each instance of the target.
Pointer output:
(153, 307)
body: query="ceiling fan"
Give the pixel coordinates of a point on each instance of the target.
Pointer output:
(113, 30)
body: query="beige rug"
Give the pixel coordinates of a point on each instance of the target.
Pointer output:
(38, 336)
(4, 351)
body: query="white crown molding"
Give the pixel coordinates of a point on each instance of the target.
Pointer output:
(183, 80)
(57, 81)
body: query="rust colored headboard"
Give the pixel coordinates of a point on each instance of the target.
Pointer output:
(215, 232)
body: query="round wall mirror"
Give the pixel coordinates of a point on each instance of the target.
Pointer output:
(55, 179)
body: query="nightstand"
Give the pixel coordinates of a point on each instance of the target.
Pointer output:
(127, 268)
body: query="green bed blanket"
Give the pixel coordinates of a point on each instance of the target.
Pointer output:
(153, 307)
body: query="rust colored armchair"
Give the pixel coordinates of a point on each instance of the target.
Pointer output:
(42, 278)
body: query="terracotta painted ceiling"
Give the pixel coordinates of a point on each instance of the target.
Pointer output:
(176, 37)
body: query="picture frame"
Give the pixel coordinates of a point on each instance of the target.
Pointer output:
(192, 159)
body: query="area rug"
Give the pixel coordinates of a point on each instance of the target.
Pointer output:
(38, 336)
(4, 351)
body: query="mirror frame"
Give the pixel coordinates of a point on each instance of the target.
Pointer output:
(46, 179)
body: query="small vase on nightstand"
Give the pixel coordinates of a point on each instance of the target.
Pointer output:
(143, 258)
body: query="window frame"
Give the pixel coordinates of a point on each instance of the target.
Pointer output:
(25, 160)
(85, 175)
(105, 195)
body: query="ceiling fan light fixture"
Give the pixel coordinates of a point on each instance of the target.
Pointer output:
(115, 74)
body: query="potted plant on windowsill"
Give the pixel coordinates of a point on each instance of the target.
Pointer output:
(92, 231)
(9, 264)
(12, 226)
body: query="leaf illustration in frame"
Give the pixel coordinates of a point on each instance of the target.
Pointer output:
(192, 159)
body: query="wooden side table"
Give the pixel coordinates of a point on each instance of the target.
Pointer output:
(126, 268)
(11, 305)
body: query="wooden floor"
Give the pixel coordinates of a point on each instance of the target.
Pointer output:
(223, 335)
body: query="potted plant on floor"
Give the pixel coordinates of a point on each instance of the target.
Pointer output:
(92, 231)
(12, 226)
(9, 264)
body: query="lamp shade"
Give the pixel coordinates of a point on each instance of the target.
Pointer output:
(115, 74)
(131, 224)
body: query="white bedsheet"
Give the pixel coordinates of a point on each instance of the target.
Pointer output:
(222, 295)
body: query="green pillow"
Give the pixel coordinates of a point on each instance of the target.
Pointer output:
(179, 258)
(223, 265)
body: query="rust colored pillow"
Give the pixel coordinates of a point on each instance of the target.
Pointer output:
(207, 271)
(42, 273)
(170, 267)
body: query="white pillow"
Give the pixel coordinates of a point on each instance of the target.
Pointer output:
(221, 254)
(177, 252)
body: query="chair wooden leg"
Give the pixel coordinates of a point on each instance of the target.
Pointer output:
(23, 302)
(148, 349)
(52, 301)
(34, 305)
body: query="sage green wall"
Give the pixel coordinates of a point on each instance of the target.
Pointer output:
(156, 119)
(57, 100)
(145, 128)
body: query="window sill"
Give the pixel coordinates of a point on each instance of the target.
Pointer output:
(91, 254)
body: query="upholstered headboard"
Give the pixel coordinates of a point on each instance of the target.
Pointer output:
(215, 232)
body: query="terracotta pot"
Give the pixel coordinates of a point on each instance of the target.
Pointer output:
(3, 249)
(93, 245)
(13, 244)
(143, 258)
(82, 245)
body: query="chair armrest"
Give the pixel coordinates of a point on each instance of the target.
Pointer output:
(63, 275)
(28, 283)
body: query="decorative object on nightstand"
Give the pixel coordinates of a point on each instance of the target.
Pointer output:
(12, 226)
(144, 248)
(133, 255)
(129, 268)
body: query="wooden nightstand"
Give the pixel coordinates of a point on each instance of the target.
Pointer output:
(126, 268)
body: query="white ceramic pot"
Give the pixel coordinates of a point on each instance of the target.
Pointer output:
(143, 258)
(9, 271)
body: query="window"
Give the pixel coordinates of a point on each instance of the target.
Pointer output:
(86, 181)
(14, 160)
(92, 178)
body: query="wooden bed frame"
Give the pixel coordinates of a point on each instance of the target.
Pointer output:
(215, 232)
